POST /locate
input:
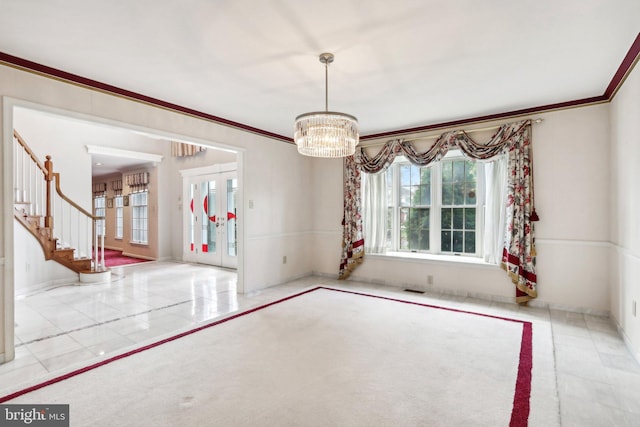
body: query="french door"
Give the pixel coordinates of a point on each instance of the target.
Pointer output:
(210, 220)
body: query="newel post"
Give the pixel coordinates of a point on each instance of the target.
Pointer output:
(48, 165)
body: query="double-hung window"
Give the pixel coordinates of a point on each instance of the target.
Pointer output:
(99, 210)
(435, 209)
(459, 207)
(139, 217)
(119, 217)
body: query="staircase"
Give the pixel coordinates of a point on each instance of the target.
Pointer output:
(67, 233)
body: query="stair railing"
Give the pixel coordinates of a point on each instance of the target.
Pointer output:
(70, 224)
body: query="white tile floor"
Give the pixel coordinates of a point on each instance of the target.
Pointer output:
(70, 326)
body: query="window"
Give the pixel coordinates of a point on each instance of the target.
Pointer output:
(139, 218)
(436, 208)
(119, 217)
(99, 210)
(459, 206)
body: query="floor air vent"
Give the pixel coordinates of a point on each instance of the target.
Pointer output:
(414, 291)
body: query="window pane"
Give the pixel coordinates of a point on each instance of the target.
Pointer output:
(424, 192)
(471, 171)
(458, 194)
(470, 242)
(447, 194)
(403, 222)
(458, 218)
(405, 196)
(404, 243)
(425, 176)
(415, 174)
(457, 241)
(424, 218)
(414, 231)
(414, 240)
(421, 229)
(471, 193)
(446, 218)
(446, 241)
(405, 175)
(447, 171)
(139, 212)
(424, 241)
(470, 219)
(458, 171)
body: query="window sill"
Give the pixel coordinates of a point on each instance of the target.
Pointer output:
(138, 244)
(447, 259)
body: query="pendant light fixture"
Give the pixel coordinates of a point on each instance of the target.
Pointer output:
(326, 133)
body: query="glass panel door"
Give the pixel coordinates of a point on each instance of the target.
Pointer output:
(211, 219)
(229, 258)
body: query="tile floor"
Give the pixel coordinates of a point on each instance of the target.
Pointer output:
(69, 326)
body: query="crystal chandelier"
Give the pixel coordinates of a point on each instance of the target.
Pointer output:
(326, 133)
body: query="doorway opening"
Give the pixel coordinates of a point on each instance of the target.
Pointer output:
(210, 217)
(72, 154)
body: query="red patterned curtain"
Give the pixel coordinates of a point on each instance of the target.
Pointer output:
(519, 250)
(518, 256)
(353, 237)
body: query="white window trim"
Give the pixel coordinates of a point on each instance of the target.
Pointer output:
(118, 207)
(139, 242)
(420, 257)
(101, 223)
(434, 252)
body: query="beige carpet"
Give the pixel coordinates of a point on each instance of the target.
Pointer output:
(323, 358)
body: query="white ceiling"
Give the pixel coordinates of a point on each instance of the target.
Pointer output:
(399, 64)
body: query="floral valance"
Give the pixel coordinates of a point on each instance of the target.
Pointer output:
(461, 140)
(512, 139)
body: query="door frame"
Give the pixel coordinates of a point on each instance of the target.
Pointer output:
(190, 174)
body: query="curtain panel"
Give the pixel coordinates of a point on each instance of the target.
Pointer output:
(374, 210)
(513, 140)
(353, 237)
(181, 149)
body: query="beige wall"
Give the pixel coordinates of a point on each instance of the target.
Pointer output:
(271, 174)
(297, 202)
(572, 183)
(625, 210)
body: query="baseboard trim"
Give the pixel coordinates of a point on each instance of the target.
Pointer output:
(627, 342)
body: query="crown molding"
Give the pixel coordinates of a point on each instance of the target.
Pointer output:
(625, 68)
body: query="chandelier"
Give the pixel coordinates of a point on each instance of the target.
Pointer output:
(326, 133)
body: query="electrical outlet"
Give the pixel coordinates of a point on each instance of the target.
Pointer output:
(430, 280)
(284, 259)
(633, 308)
